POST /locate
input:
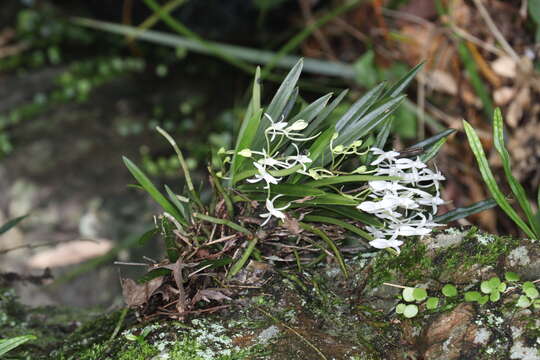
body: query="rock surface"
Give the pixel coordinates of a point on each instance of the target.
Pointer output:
(318, 314)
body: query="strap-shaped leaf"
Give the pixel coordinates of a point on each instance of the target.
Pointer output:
(250, 124)
(7, 345)
(347, 179)
(284, 189)
(360, 107)
(281, 98)
(11, 223)
(433, 139)
(145, 182)
(404, 82)
(354, 214)
(360, 127)
(433, 150)
(463, 212)
(490, 181)
(341, 223)
(515, 186)
(314, 126)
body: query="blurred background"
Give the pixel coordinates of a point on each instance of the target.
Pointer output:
(84, 82)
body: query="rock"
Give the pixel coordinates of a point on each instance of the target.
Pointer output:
(525, 260)
(447, 334)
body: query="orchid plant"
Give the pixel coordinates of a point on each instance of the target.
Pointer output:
(304, 183)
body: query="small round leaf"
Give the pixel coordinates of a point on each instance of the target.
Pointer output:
(511, 276)
(432, 303)
(472, 296)
(483, 299)
(400, 308)
(531, 292)
(485, 287)
(523, 302)
(449, 290)
(419, 294)
(495, 296)
(408, 294)
(527, 285)
(502, 287)
(494, 283)
(410, 311)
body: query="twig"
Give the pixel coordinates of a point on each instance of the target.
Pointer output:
(292, 330)
(396, 286)
(129, 263)
(495, 31)
(471, 38)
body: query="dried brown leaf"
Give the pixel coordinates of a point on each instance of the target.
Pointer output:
(211, 294)
(139, 294)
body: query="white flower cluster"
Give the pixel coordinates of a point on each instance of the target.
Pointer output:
(269, 159)
(402, 204)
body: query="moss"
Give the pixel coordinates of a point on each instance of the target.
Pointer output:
(475, 249)
(412, 264)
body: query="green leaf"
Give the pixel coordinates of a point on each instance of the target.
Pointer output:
(181, 207)
(472, 296)
(515, 186)
(249, 126)
(314, 126)
(485, 287)
(408, 294)
(410, 311)
(449, 290)
(330, 199)
(320, 147)
(490, 181)
(495, 296)
(483, 300)
(463, 212)
(419, 294)
(400, 308)
(330, 244)
(7, 345)
(216, 263)
(382, 136)
(152, 274)
(360, 107)
(357, 128)
(11, 223)
(502, 287)
(244, 258)
(170, 240)
(531, 292)
(146, 236)
(347, 179)
(354, 214)
(511, 276)
(151, 189)
(312, 110)
(433, 150)
(431, 141)
(404, 82)
(286, 89)
(523, 302)
(527, 285)
(340, 223)
(298, 191)
(432, 303)
(494, 283)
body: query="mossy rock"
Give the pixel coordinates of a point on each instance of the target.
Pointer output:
(319, 314)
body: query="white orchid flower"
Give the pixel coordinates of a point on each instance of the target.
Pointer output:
(273, 211)
(383, 244)
(383, 156)
(263, 175)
